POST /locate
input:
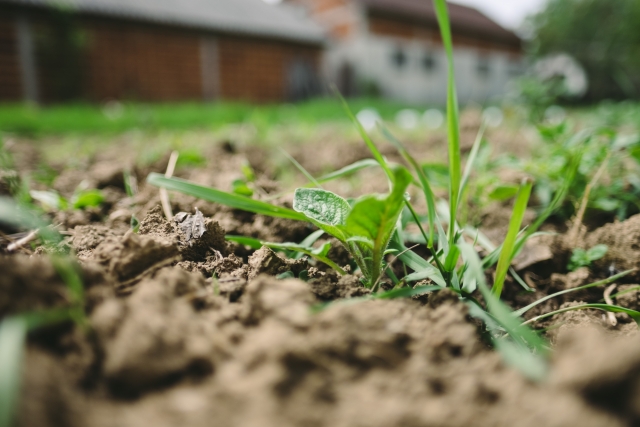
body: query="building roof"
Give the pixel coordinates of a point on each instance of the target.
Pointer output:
(464, 20)
(250, 17)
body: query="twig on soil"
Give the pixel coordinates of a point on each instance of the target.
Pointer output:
(607, 298)
(23, 241)
(577, 223)
(164, 194)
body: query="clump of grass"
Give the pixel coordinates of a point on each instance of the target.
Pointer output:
(370, 228)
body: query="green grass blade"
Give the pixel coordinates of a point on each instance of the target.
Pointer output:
(348, 170)
(302, 170)
(426, 187)
(13, 333)
(471, 161)
(228, 199)
(524, 339)
(606, 281)
(17, 215)
(635, 315)
(310, 240)
(367, 140)
(507, 252)
(307, 251)
(303, 247)
(246, 241)
(453, 128)
(407, 292)
(419, 265)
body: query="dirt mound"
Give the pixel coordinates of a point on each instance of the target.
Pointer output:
(174, 352)
(184, 328)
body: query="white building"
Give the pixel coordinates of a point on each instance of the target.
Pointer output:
(394, 47)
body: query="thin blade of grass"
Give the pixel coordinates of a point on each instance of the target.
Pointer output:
(417, 264)
(426, 187)
(367, 140)
(307, 251)
(348, 170)
(635, 315)
(606, 281)
(246, 241)
(13, 333)
(228, 199)
(407, 292)
(453, 128)
(518, 352)
(471, 160)
(507, 252)
(300, 168)
(300, 248)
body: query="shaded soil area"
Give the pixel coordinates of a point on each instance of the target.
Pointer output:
(200, 332)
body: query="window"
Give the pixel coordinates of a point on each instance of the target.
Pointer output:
(429, 62)
(483, 66)
(399, 58)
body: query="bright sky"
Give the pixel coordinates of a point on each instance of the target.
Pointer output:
(508, 13)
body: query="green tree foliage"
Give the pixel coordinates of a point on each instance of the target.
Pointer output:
(603, 35)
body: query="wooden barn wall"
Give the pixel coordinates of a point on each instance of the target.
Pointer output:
(98, 59)
(141, 62)
(256, 70)
(10, 80)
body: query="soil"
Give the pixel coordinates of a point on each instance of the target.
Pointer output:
(199, 331)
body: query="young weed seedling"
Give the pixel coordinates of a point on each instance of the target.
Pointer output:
(369, 229)
(584, 258)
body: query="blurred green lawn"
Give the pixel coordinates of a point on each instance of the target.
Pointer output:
(115, 118)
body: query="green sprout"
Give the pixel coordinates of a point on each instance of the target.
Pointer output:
(583, 258)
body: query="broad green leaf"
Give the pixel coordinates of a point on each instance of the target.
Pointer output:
(375, 218)
(228, 199)
(325, 209)
(597, 252)
(87, 199)
(503, 192)
(240, 187)
(321, 205)
(285, 275)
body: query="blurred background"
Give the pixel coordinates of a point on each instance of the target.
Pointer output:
(118, 63)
